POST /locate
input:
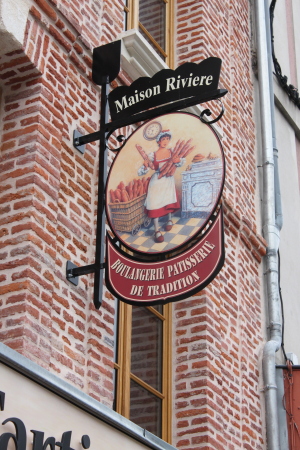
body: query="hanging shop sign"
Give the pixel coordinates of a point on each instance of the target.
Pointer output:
(162, 192)
(162, 195)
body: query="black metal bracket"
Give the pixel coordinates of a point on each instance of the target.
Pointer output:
(106, 66)
(207, 112)
(155, 112)
(73, 272)
(120, 138)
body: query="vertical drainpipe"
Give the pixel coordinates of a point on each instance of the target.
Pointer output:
(270, 226)
(278, 205)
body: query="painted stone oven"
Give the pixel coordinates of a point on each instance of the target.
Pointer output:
(200, 187)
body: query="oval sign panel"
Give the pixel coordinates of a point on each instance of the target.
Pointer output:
(165, 183)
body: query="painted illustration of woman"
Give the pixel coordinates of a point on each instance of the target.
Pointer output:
(162, 199)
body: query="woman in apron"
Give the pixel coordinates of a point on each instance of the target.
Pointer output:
(161, 197)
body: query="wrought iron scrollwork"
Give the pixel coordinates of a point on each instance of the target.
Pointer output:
(207, 112)
(119, 138)
(291, 90)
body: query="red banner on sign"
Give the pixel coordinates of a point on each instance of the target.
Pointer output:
(147, 283)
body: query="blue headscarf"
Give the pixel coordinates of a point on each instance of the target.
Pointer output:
(162, 134)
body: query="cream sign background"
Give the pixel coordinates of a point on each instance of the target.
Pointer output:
(42, 410)
(184, 192)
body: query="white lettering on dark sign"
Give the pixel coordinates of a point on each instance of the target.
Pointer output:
(136, 98)
(172, 84)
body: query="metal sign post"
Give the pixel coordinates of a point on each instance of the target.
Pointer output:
(106, 66)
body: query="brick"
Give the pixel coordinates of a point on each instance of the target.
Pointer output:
(76, 334)
(59, 38)
(74, 355)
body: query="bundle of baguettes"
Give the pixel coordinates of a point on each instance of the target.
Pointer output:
(134, 189)
(181, 150)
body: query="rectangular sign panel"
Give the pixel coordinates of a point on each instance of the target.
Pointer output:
(166, 86)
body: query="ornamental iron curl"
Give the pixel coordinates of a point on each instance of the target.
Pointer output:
(119, 138)
(290, 90)
(207, 112)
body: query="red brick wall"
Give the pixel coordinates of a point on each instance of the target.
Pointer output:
(47, 215)
(48, 195)
(219, 332)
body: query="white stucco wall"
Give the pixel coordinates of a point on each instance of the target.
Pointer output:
(281, 37)
(287, 117)
(296, 15)
(13, 18)
(290, 233)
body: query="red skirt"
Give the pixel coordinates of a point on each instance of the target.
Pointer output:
(153, 213)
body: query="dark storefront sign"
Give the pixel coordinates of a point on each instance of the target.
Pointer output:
(164, 87)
